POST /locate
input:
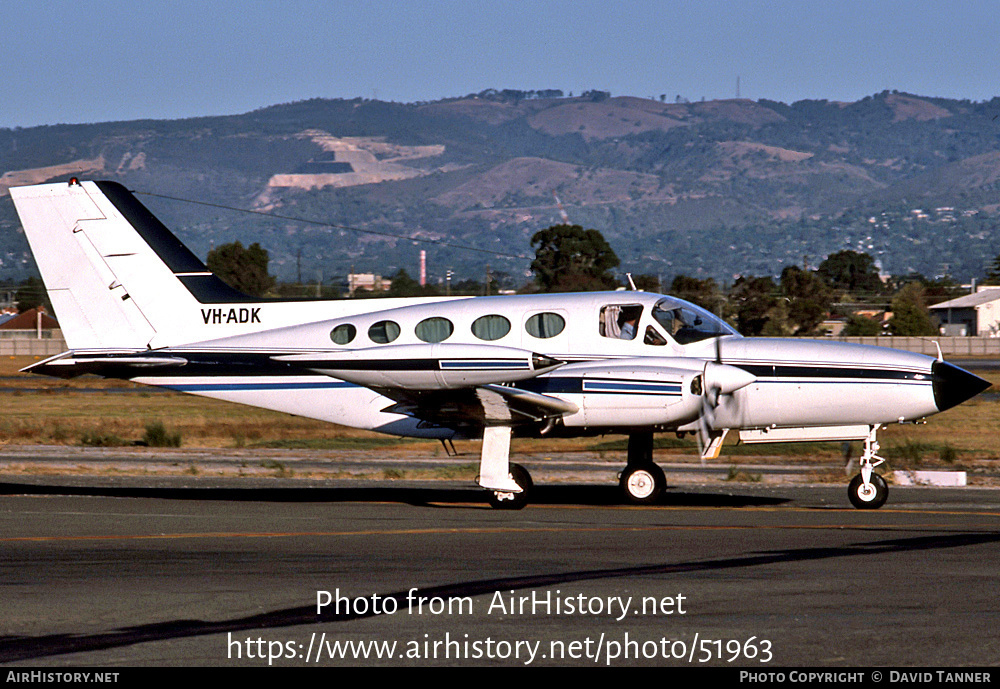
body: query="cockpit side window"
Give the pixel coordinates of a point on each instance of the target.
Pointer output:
(653, 338)
(687, 323)
(620, 321)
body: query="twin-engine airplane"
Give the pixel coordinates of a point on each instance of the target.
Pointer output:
(135, 303)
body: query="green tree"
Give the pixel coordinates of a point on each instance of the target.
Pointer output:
(31, 293)
(468, 286)
(753, 300)
(935, 291)
(861, 326)
(244, 269)
(809, 299)
(569, 258)
(909, 312)
(993, 272)
(850, 271)
(405, 286)
(647, 283)
(777, 321)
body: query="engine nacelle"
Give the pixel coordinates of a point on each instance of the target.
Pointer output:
(635, 395)
(666, 392)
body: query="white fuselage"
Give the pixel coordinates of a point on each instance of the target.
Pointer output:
(613, 382)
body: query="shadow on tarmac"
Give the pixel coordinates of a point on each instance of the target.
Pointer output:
(416, 496)
(21, 648)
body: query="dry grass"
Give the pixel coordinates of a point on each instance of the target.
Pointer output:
(39, 409)
(42, 410)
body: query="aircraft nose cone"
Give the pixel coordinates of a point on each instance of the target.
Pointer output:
(954, 385)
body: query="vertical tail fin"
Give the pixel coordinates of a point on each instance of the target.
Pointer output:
(117, 278)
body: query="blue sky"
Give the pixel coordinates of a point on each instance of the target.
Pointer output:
(101, 60)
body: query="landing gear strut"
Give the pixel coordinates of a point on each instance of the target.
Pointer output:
(509, 485)
(642, 482)
(868, 490)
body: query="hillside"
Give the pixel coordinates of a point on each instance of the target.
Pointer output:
(715, 188)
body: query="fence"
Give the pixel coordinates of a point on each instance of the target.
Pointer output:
(950, 346)
(32, 347)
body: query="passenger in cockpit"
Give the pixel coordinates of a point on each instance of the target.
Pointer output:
(629, 322)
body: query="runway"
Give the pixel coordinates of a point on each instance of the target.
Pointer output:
(169, 573)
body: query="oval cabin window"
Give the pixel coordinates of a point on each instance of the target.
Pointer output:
(383, 332)
(491, 327)
(434, 329)
(343, 334)
(545, 325)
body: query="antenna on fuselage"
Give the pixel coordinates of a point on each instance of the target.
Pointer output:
(631, 284)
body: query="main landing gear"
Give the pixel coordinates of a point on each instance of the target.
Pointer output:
(509, 500)
(868, 490)
(509, 485)
(642, 482)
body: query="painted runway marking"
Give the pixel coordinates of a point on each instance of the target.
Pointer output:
(495, 530)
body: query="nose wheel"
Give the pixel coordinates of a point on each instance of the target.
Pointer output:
(868, 496)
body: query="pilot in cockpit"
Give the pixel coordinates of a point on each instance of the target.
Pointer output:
(628, 322)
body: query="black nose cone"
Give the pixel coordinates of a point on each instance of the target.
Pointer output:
(954, 385)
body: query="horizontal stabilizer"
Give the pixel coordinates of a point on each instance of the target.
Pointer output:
(68, 364)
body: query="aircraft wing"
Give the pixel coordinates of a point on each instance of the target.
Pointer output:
(447, 385)
(483, 405)
(425, 366)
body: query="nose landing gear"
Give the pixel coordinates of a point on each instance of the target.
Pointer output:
(868, 490)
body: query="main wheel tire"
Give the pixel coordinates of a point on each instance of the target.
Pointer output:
(643, 485)
(869, 497)
(501, 500)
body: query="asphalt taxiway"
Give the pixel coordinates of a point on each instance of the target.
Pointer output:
(187, 571)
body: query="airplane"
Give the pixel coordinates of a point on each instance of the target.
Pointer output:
(135, 303)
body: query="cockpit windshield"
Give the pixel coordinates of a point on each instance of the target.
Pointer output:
(688, 323)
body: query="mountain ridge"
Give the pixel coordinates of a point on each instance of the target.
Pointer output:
(710, 189)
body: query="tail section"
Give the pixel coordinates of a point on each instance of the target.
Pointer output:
(117, 278)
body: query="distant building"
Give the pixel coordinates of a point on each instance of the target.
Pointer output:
(832, 327)
(975, 314)
(368, 282)
(32, 324)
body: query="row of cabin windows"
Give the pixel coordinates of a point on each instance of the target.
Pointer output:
(437, 329)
